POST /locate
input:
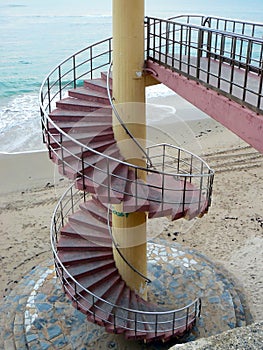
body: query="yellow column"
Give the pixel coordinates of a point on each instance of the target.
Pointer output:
(129, 230)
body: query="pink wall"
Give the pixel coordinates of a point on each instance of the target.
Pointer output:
(248, 125)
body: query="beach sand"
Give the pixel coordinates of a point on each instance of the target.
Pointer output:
(231, 234)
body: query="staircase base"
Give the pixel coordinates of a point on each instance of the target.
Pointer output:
(37, 314)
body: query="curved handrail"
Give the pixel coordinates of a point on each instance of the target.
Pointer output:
(147, 280)
(184, 171)
(149, 162)
(67, 204)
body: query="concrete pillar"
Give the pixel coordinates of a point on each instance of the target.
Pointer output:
(129, 230)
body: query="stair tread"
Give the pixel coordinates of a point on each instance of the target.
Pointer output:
(97, 82)
(89, 267)
(104, 310)
(76, 256)
(96, 209)
(118, 182)
(99, 289)
(101, 277)
(74, 241)
(135, 189)
(80, 220)
(86, 91)
(78, 102)
(76, 164)
(119, 322)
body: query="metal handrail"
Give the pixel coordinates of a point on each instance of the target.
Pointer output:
(238, 26)
(193, 50)
(147, 280)
(149, 162)
(67, 204)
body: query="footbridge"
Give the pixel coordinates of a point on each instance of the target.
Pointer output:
(215, 64)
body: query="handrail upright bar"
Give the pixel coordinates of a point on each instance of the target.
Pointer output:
(149, 162)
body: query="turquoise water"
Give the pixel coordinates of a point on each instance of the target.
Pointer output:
(37, 35)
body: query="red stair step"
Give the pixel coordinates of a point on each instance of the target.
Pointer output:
(96, 209)
(72, 241)
(102, 310)
(104, 277)
(74, 165)
(98, 115)
(97, 84)
(119, 320)
(89, 94)
(75, 104)
(83, 221)
(89, 268)
(104, 76)
(136, 323)
(84, 126)
(136, 193)
(69, 258)
(98, 288)
(118, 182)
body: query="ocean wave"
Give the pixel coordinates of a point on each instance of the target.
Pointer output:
(19, 87)
(18, 111)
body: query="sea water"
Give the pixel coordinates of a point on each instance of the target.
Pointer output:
(35, 36)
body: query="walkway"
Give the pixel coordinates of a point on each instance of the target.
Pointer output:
(218, 71)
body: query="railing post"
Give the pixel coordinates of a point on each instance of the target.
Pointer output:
(156, 324)
(148, 38)
(108, 180)
(248, 61)
(72, 200)
(59, 82)
(184, 193)
(173, 323)
(48, 94)
(61, 214)
(199, 51)
(74, 72)
(82, 174)
(187, 317)
(135, 323)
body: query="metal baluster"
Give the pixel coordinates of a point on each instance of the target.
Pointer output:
(74, 72)
(189, 51)
(187, 317)
(156, 324)
(248, 61)
(59, 81)
(233, 56)
(173, 323)
(108, 180)
(173, 48)
(222, 50)
(199, 51)
(160, 40)
(91, 63)
(201, 186)
(181, 48)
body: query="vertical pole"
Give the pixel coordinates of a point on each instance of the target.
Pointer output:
(129, 229)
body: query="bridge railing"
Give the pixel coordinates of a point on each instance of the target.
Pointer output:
(236, 26)
(211, 57)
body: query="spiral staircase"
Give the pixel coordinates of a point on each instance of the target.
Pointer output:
(76, 110)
